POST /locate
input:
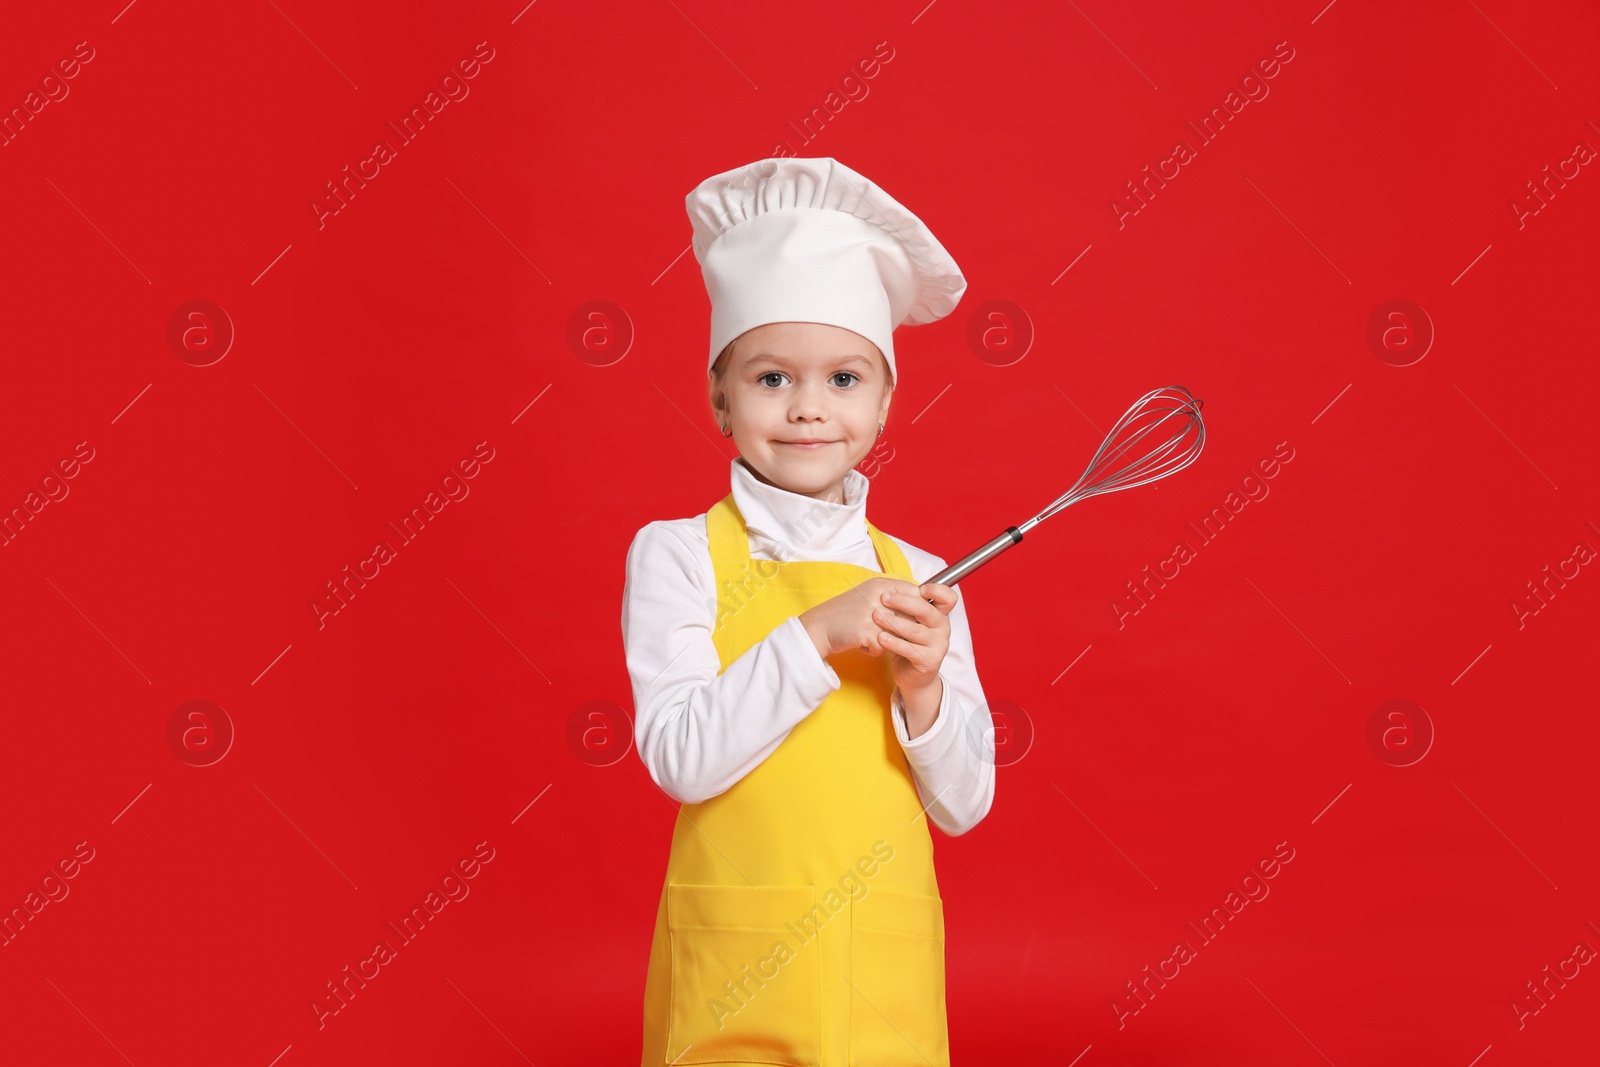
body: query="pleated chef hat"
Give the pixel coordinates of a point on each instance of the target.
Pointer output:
(810, 240)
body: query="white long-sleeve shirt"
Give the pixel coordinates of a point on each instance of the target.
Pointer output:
(699, 731)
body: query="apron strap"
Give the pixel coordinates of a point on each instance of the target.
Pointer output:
(890, 558)
(729, 541)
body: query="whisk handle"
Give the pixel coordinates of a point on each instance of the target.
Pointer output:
(959, 570)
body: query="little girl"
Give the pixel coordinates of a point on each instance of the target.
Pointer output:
(798, 690)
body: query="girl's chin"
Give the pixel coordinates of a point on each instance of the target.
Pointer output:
(814, 466)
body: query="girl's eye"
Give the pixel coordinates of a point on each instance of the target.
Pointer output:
(779, 374)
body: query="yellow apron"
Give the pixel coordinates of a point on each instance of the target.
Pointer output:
(800, 922)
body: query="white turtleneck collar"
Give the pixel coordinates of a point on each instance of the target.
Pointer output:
(786, 526)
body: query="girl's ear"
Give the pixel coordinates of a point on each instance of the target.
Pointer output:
(718, 398)
(716, 381)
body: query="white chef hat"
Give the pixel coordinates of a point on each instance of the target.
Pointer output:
(810, 240)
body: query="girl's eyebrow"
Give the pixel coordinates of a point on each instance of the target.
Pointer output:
(767, 357)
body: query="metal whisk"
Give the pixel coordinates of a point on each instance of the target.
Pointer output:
(1111, 469)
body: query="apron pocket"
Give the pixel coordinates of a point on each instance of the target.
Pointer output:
(897, 1009)
(744, 986)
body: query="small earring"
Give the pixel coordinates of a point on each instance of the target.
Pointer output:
(880, 429)
(725, 431)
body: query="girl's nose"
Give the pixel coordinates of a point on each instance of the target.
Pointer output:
(809, 402)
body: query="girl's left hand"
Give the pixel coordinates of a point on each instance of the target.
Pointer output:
(916, 634)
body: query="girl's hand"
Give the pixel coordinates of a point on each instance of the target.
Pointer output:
(916, 633)
(848, 621)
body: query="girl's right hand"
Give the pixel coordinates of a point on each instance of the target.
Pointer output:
(845, 622)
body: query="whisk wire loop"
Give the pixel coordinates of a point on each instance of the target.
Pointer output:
(1187, 434)
(1172, 406)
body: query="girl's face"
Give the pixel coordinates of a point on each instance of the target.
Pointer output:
(788, 382)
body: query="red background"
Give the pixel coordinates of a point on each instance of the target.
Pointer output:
(374, 749)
